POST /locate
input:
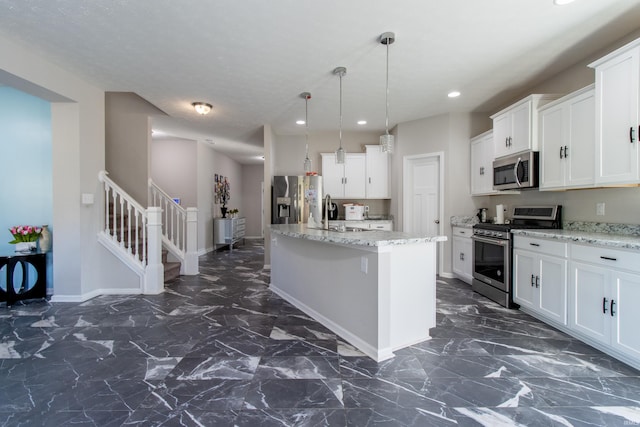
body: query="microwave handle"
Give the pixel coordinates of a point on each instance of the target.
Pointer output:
(515, 171)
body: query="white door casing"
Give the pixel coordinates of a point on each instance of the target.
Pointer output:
(422, 196)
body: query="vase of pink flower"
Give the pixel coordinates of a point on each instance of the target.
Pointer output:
(25, 237)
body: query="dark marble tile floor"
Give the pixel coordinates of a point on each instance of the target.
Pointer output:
(219, 349)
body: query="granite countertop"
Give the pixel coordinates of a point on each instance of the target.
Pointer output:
(464, 221)
(622, 241)
(358, 238)
(340, 221)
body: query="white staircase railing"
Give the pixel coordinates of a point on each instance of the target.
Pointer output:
(132, 233)
(179, 228)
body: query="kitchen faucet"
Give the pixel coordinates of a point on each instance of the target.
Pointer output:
(327, 207)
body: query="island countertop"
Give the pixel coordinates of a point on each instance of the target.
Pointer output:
(358, 238)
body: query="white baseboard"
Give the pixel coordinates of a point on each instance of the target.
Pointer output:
(93, 294)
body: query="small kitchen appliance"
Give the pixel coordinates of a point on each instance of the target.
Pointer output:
(353, 212)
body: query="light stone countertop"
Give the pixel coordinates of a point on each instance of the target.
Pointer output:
(358, 238)
(621, 241)
(464, 221)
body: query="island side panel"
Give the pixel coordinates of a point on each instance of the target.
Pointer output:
(326, 281)
(412, 293)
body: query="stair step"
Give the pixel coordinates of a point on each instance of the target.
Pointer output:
(171, 271)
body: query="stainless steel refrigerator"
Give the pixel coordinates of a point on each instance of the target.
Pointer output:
(296, 199)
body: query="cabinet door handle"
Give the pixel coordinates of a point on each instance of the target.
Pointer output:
(534, 244)
(631, 134)
(369, 180)
(604, 305)
(566, 151)
(506, 142)
(533, 280)
(482, 170)
(561, 149)
(537, 281)
(462, 256)
(613, 302)
(608, 258)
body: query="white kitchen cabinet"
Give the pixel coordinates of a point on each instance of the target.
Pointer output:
(482, 154)
(540, 277)
(604, 294)
(461, 253)
(344, 181)
(377, 170)
(618, 116)
(515, 129)
(567, 141)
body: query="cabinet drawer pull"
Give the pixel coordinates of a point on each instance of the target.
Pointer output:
(608, 258)
(604, 305)
(534, 244)
(613, 302)
(631, 134)
(532, 280)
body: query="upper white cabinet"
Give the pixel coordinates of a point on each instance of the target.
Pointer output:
(515, 128)
(377, 184)
(618, 115)
(567, 141)
(344, 181)
(482, 154)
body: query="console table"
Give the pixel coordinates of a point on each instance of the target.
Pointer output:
(227, 231)
(22, 276)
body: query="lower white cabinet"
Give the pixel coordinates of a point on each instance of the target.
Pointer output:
(604, 296)
(461, 253)
(540, 277)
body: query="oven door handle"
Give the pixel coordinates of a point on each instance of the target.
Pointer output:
(499, 242)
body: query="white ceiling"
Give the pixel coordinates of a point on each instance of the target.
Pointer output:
(251, 59)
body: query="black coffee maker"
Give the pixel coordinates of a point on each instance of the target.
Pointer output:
(482, 214)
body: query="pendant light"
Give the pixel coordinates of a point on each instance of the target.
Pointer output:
(340, 153)
(307, 161)
(386, 140)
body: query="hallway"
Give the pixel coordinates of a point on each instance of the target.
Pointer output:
(219, 349)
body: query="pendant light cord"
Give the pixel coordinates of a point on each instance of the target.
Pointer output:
(387, 94)
(341, 74)
(306, 125)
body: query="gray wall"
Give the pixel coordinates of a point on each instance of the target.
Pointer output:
(128, 142)
(174, 168)
(252, 178)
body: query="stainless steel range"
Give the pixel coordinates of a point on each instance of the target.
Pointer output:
(493, 250)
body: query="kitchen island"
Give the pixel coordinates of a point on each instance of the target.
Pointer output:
(375, 289)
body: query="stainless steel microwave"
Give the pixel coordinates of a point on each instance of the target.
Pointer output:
(516, 172)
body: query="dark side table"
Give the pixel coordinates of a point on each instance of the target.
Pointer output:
(23, 276)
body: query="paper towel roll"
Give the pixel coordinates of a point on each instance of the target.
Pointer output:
(500, 214)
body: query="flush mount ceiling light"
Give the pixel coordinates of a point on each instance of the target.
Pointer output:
(453, 94)
(307, 161)
(202, 108)
(362, 122)
(562, 2)
(386, 140)
(340, 153)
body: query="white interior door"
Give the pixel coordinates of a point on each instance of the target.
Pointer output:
(422, 195)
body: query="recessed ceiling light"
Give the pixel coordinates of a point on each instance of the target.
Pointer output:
(299, 122)
(562, 2)
(362, 122)
(453, 94)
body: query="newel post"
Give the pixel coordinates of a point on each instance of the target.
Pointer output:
(191, 266)
(154, 275)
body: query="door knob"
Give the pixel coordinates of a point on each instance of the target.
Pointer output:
(437, 221)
